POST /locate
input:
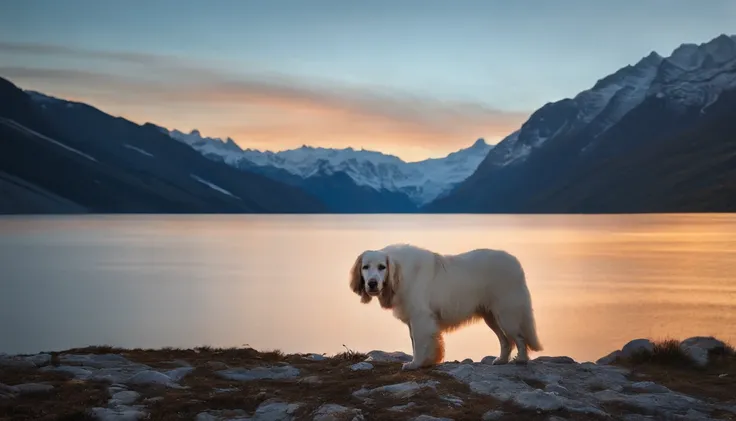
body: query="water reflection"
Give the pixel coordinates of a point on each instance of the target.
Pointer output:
(281, 281)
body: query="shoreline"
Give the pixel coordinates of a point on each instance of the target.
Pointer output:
(687, 379)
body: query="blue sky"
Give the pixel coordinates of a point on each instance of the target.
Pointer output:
(413, 78)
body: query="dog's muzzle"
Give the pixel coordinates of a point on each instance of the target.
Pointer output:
(372, 285)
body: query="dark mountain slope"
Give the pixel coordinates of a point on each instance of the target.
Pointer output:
(653, 137)
(339, 192)
(693, 170)
(656, 159)
(106, 164)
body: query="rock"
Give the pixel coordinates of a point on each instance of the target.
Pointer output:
(259, 373)
(40, 360)
(610, 358)
(430, 418)
(697, 355)
(637, 346)
(179, 373)
(539, 400)
(180, 363)
(8, 389)
(399, 408)
(555, 360)
(76, 372)
(310, 380)
(119, 413)
(127, 397)
(151, 377)
(216, 365)
(315, 357)
(487, 360)
(698, 348)
(649, 387)
(95, 360)
(267, 411)
(33, 388)
(113, 390)
(392, 357)
(452, 399)
(334, 412)
(577, 388)
(226, 390)
(399, 390)
(273, 410)
(558, 389)
(467, 361)
(16, 362)
(708, 343)
(361, 366)
(659, 404)
(493, 415)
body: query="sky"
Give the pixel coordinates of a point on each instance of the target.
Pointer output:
(413, 78)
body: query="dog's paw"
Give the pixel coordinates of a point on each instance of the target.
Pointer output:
(499, 361)
(518, 361)
(409, 366)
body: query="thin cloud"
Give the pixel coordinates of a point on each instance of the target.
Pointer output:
(273, 108)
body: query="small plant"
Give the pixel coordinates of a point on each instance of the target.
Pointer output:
(669, 352)
(350, 355)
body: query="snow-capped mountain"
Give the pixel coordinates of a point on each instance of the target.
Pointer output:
(692, 74)
(421, 181)
(552, 161)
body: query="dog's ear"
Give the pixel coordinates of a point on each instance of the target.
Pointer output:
(393, 280)
(357, 283)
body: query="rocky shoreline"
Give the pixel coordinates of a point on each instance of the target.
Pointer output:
(693, 379)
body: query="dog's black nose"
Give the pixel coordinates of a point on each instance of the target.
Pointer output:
(372, 284)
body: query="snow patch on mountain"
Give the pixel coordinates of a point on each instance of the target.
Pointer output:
(693, 75)
(421, 181)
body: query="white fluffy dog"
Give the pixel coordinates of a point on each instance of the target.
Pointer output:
(433, 294)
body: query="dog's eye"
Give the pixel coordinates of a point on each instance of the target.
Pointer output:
(365, 267)
(381, 267)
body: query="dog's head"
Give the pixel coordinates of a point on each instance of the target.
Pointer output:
(375, 274)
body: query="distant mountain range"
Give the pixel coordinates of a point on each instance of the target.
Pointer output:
(349, 180)
(656, 136)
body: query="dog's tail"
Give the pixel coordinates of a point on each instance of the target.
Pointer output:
(529, 330)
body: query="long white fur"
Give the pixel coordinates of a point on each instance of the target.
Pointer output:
(433, 293)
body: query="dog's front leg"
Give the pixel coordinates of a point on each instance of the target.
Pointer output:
(411, 335)
(424, 333)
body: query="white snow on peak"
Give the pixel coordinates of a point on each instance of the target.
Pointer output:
(227, 149)
(421, 181)
(693, 75)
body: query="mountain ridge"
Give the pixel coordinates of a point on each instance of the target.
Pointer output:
(649, 103)
(421, 181)
(60, 156)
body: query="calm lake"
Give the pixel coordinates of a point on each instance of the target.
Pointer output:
(281, 282)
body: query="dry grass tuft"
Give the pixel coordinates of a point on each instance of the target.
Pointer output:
(669, 366)
(350, 355)
(666, 352)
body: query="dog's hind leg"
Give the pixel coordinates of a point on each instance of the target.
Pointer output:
(506, 345)
(510, 321)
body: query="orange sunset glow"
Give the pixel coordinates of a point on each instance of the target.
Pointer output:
(265, 110)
